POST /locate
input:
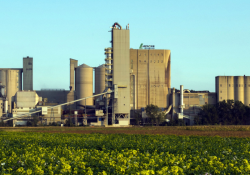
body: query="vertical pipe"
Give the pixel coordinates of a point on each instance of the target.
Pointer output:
(181, 99)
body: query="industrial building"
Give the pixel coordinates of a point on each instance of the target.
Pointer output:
(128, 80)
(233, 88)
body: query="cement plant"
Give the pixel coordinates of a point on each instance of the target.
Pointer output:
(127, 81)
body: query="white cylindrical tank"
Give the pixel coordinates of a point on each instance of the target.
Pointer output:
(239, 88)
(230, 88)
(100, 79)
(84, 84)
(181, 99)
(247, 90)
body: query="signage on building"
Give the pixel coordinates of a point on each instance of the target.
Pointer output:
(149, 46)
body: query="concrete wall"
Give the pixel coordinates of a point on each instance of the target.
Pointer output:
(26, 99)
(233, 88)
(28, 73)
(152, 72)
(121, 70)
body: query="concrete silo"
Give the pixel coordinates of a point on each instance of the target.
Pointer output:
(230, 87)
(239, 88)
(84, 84)
(247, 90)
(3, 77)
(100, 79)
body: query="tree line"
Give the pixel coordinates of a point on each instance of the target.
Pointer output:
(224, 113)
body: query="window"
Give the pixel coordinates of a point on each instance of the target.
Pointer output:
(185, 96)
(145, 54)
(150, 61)
(154, 61)
(144, 61)
(245, 85)
(158, 61)
(220, 85)
(249, 85)
(221, 98)
(229, 85)
(161, 61)
(162, 54)
(139, 60)
(220, 91)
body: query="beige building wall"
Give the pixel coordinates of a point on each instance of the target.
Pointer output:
(121, 70)
(247, 90)
(233, 88)
(194, 101)
(152, 74)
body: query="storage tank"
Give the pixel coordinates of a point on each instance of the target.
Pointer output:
(230, 88)
(84, 83)
(247, 90)
(239, 88)
(100, 79)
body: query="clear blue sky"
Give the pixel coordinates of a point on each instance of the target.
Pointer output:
(206, 38)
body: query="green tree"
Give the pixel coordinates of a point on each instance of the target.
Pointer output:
(138, 117)
(155, 114)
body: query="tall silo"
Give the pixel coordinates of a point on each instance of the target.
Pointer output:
(100, 79)
(239, 88)
(84, 83)
(247, 90)
(230, 87)
(3, 77)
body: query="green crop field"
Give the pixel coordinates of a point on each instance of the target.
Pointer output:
(55, 153)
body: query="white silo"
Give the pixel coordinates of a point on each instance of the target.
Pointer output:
(84, 84)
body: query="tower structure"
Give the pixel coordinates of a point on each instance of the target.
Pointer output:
(118, 74)
(28, 73)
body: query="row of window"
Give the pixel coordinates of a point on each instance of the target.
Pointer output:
(155, 61)
(236, 85)
(140, 54)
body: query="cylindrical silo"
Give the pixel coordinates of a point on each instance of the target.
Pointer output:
(100, 79)
(84, 84)
(247, 90)
(239, 88)
(3, 77)
(230, 88)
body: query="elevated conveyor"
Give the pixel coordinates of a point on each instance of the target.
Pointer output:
(27, 114)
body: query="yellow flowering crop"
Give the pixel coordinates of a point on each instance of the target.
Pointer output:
(100, 154)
